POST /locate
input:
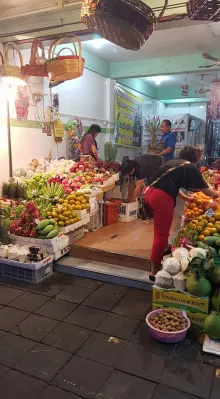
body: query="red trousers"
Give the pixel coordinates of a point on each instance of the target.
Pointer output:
(162, 206)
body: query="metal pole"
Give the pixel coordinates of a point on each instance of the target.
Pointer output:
(9, 139)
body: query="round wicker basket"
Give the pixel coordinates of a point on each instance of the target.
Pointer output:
(8, 70)
(67, 67)
(127, 23)
(37, 65)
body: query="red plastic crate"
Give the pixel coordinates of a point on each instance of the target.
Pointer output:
(112, 211)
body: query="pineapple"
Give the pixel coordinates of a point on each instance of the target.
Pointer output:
(12, 190)
(4, 228)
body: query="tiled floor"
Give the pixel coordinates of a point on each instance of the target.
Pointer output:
(134, 238)
(72, 338)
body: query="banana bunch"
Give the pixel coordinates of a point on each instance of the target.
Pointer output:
(34, 189)
(53, 192)
(44, 205)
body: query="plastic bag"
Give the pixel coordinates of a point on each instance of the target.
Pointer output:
(180, 253)
(179, 281)
(171, 265)
(164, 279)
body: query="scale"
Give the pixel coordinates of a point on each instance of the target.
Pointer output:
(211, 346)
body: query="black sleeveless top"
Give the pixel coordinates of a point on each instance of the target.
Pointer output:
(187, 176)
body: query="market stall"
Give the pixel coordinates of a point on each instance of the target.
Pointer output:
(49, 206)
(190, 277)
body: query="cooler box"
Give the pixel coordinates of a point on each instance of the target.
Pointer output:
(128, 212)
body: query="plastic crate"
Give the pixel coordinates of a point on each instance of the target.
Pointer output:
(29, 275)
(30, 272)
(112, 211)
(96, 219)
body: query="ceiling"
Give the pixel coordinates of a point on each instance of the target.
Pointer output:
(170, 42)
(192, 79)
(11, 8)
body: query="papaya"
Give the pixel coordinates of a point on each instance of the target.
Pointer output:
(202, 245)
(52, 221)
(52, 234)
(47, 229)
(212, 252)
(211, 241)
(43, 224)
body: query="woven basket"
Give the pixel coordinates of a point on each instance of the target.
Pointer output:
(65, 67)
(11, 70)
(37, 65)
(126, 23)
(203, 10)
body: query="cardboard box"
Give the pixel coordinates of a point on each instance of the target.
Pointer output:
(180, 300)
(197, 319)
(128, 212)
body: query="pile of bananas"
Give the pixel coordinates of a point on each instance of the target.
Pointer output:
(44, 205)
(34, 189)
(53, 192)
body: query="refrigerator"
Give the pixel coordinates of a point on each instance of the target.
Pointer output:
(189, 130)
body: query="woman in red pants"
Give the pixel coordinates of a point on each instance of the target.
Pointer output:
(160, 196)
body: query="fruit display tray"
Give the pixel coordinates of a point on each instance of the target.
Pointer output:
(51, 246)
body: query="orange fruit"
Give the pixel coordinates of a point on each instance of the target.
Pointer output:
(210, 225)
(199, 228)
(201, 237)
(206, 233)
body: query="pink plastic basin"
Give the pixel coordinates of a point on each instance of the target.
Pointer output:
(164, 336)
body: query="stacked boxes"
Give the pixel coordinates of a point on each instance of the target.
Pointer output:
(196, 308)
(128, 212)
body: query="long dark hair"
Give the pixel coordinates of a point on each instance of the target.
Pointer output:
(93, 130)
(190, 153)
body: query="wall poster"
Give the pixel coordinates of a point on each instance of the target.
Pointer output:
(128, 118)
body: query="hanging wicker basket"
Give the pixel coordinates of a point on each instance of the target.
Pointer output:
(203, 10)
(8, 70)
(66, 67)
(37, 65)
(126, 23)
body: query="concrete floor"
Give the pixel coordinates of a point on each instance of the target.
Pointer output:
(72, 338)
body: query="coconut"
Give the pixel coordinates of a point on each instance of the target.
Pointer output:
(212, 326)
(200, 287)
(214, 275)
(215, 300)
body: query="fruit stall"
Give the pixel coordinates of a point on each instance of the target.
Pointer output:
(188, 285)
(47, 207)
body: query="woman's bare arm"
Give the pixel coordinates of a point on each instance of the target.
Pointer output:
(95, 152)
(184, 197)
(210, 192)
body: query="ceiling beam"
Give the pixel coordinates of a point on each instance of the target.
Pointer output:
(160, 66)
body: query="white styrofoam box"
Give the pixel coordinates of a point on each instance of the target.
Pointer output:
(82, 214)
(51, 246)
(58, 254)
(32, 266)
(72, 227)
(128, 212)
(76, 235)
